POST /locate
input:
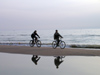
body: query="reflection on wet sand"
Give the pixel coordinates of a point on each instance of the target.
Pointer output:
(35, 59)
(58, 60)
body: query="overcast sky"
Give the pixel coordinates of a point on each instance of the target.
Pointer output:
(49, 14)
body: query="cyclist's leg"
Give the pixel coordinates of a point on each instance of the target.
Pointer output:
(57, 42)
(35, 39)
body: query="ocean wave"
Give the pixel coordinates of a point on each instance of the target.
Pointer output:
(24, 35)
(14, 40)
(17, 35)
(7, 35)
(81, 35)
(85, 46)
(50, 45)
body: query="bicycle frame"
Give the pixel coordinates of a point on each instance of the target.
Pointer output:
(33, 42)
(62, 44)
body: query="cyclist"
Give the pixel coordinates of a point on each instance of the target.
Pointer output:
(56, 37)
(34, 35)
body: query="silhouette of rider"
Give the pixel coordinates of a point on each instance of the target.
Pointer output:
(57, 36)
(35, 59)
(34, 35)
(58, 60)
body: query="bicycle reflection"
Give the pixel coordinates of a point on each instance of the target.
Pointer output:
(35, 59)
(58, 60)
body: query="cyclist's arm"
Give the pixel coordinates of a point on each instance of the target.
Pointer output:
(38, 35)
(60, 36)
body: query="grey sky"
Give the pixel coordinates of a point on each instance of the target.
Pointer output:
(49, 14)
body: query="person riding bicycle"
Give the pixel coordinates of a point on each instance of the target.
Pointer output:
(56, 37)
(34, 35)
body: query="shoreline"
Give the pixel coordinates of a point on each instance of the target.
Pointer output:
(93, 46)
(48, 51)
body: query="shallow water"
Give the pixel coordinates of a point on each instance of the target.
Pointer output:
(17, 64)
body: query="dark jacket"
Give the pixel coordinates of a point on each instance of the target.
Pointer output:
(33, 35)
(57, 35)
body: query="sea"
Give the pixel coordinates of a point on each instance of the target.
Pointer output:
(78, 38)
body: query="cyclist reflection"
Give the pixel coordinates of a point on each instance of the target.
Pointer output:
(35, 59)
(58, 60)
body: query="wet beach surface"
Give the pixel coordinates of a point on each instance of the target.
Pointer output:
(23, 60)
(19, 64)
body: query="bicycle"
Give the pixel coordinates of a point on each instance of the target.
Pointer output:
(32, 43)
(62, 44)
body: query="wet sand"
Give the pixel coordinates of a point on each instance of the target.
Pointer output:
(48, 51)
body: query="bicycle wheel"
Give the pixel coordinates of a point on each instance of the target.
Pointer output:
(54, 44)
(31, 43)
(62, 44)
(38, 43)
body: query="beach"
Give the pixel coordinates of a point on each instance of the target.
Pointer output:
(77, 21)
(49, 51)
